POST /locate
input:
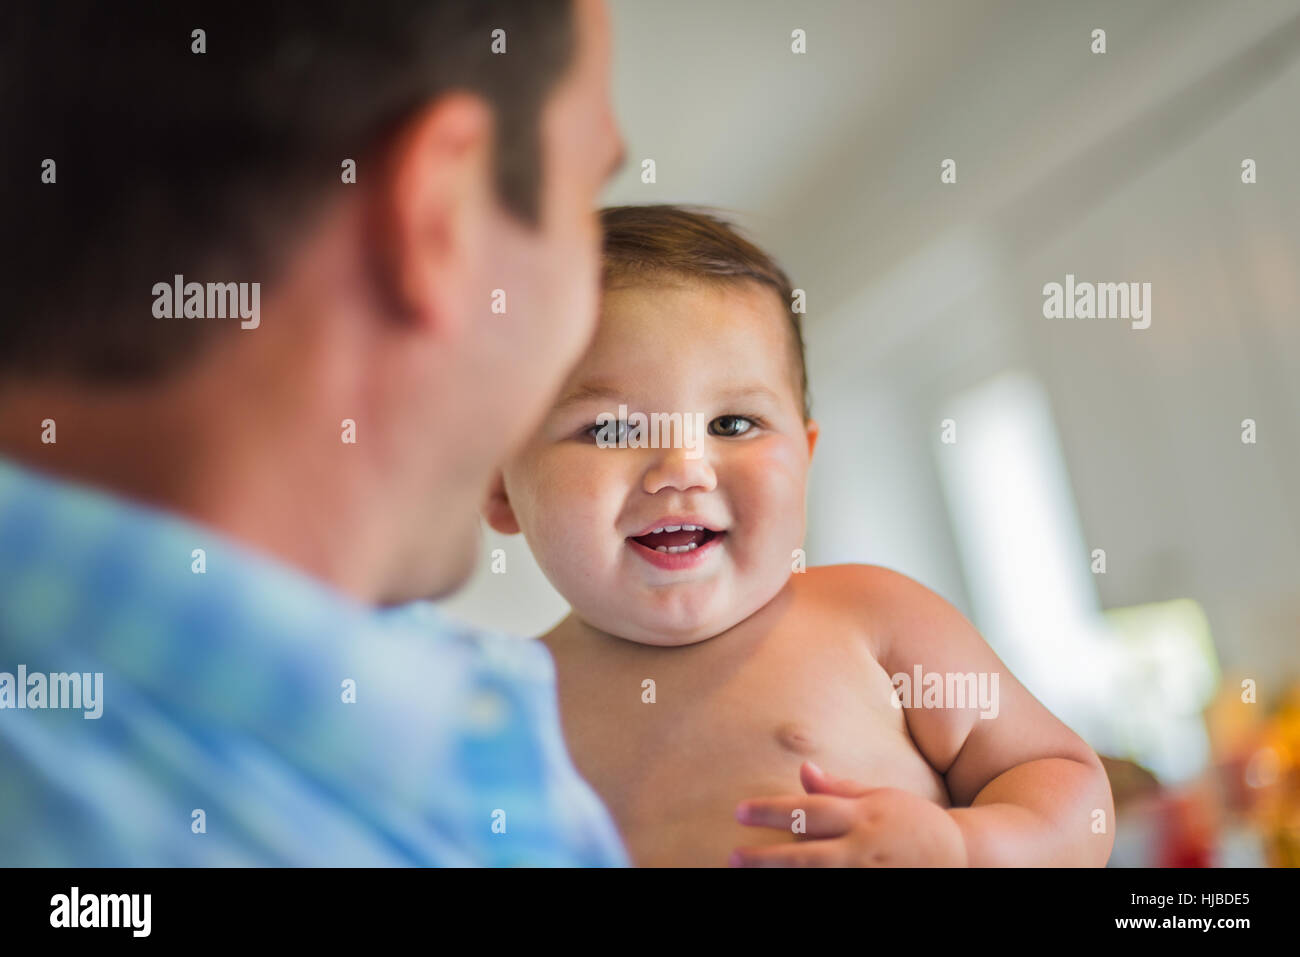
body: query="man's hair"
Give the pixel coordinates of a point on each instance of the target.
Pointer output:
(649, 243)
(214, 164)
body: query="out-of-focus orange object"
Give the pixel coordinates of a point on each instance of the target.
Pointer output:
(1257, 760)
(1274, 770)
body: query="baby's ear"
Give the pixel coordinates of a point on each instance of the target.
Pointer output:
(497, 510)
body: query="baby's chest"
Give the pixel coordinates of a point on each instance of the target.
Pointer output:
(837, 714)
(755, 723)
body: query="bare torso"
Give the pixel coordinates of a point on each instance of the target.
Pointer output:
(733, 718)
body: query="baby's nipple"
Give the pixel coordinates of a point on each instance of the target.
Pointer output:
(795, 736)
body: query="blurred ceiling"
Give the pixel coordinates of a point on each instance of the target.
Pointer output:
(832, 157)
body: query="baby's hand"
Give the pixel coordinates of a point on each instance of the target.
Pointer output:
(850, 825)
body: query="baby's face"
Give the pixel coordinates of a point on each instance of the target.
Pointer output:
(590, 513)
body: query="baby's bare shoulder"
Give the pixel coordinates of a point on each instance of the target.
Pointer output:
(863, 586)
(846, 599)
(905, 618)
(877, 599)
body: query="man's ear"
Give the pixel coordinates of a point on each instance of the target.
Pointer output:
(431, 199)
(813, 430)
(497, 510)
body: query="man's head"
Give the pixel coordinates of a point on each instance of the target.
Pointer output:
(481, 133)
(676, 543)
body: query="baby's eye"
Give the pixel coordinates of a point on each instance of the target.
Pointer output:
(730, 425)
(610, 433)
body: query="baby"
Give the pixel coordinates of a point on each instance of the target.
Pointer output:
(702, 670)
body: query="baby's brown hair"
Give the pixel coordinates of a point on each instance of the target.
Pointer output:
(644, 243)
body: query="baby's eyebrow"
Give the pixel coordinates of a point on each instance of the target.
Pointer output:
(587, 392)
(596, 390)
(749, 392)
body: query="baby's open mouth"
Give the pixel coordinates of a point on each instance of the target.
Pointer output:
(677, 538)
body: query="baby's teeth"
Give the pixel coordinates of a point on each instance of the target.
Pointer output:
(672, 528)
(657, 531)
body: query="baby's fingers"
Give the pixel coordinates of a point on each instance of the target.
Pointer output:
(809, 815)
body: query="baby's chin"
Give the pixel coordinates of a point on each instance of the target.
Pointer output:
(676, 637)
(642, 622)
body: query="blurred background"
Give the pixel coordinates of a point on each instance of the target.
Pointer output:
(1100, 518)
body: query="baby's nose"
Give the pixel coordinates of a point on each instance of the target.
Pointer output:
(680, 469)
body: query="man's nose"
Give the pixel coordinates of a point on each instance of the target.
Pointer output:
(680, 469)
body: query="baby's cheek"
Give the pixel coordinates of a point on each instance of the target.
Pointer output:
(768, 493)
(573, 522)
(773, 480)
(562, 487)
(567, 554)
(567, 527)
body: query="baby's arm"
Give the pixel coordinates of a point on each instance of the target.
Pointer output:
(1025, 788)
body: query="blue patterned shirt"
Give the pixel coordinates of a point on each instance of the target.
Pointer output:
(249, 715)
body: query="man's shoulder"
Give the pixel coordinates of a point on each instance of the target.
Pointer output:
(305, 727)
(511, 656)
